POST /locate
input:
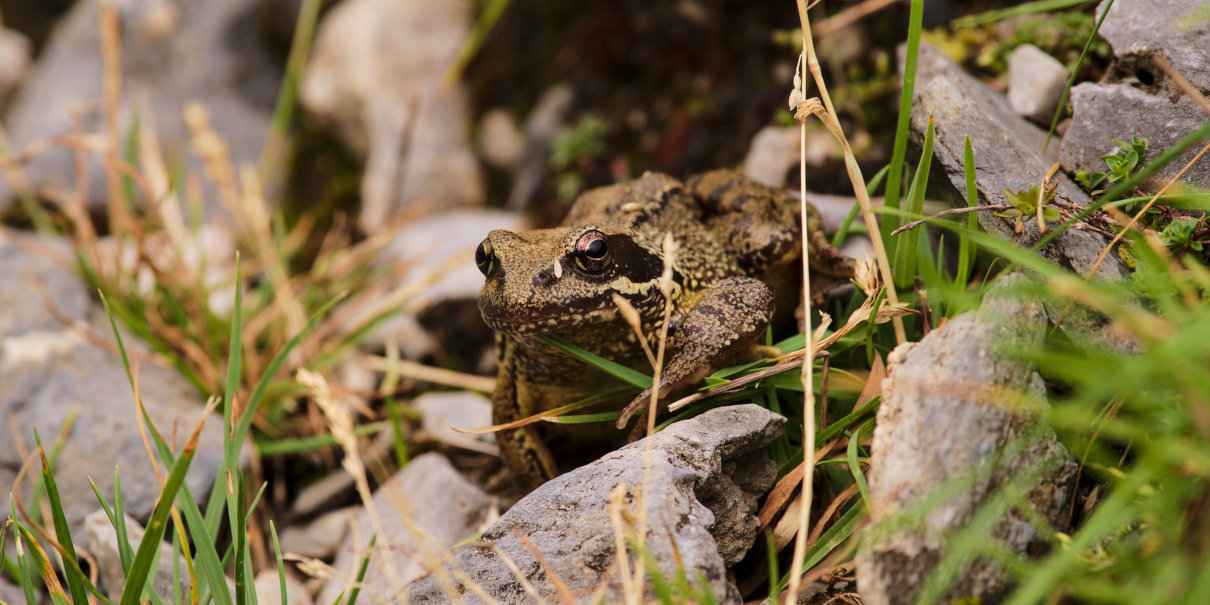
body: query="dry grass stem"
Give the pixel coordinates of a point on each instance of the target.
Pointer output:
(1182, 83)
(419, 371)
(951, 212)
(851, 15)
(1043, 187)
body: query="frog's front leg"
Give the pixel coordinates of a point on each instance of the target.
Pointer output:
(727, 320)
(523, 449)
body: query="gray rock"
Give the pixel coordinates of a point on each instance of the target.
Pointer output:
(949, 418)
(15, 56)
(379, 74)
(705, 479)
(1179, 29)
(174, 52)
(546, 120)
(60, 377)
(1035, 83)
(1008, 155)
(320, 538)
(13, 595)
(438, 252)
(268, 589)
(1107, 113)
(500, 139)
(101, 541)
(424, 509)
(445, 412)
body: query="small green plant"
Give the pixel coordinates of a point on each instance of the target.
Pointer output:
(572, 148)
(1122, 163)
(1180, 234)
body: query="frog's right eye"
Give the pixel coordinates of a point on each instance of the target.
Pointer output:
(485, 258)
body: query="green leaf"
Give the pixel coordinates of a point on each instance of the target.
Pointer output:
(75, 580)
(617, 370)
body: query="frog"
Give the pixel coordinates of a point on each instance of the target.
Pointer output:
(736, 269)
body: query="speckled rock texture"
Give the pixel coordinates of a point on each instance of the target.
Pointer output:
(954, 417)
(705, 478)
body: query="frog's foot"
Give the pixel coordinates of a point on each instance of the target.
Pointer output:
(730, 316)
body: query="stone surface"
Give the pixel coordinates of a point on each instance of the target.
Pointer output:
(952, 415)
(10, 593)
(445, 412)
(379, 74)
(1035, 82)
(424, 509)
(320, 538)
(1179, 29)
(173, 52)
(1107, 113)
(101, 541)
(268, 589)
(441, 318)
(500, 139)
(15, 56)
(1008, 156)
(58, 376)
(706, 476)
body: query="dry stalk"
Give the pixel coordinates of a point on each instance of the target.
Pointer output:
(851, 167)
(419, 371)
(1181, 82)
(1096, 265)
(851, 15)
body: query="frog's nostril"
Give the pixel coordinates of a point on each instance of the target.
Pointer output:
(485, 258)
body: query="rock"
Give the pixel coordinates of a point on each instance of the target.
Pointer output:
(268, 589)
(774, 153)
(59, 377)
(546, 120)
(425, 508)
(1178, 29)
(321, 538)
(338, 486)
(101, 541)
(1008, 156)
(1107, 113)
(442, 318)
(173, 53)
(1035, 83)
(500, 140)
(15, 57)
(379, 74)
(10, 593)
(949, 415)
(445, 412)
(706, 476)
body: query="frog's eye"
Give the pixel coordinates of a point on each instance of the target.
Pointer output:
(590, 250)
(485, 258)
(592, 245)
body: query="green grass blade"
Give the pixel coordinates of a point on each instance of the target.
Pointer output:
(355, 590)
(281, 562)
(842, 233)
(617, 370)
(1075, 71)
(125, 551)
(966, 249)
(1027, 8)
(855, 464)
(904, 261)
(75, 581)
(908, 91)
(140, 569)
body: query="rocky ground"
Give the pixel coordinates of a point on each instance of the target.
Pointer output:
(419, 128)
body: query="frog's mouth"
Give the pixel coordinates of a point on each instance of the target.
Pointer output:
(544, 318)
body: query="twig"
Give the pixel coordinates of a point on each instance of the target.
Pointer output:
(851, 15)
(1183, 84)
(951, 212)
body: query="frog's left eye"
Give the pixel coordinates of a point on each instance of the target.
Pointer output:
(591, 249)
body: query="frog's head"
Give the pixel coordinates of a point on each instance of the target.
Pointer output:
(552, 280)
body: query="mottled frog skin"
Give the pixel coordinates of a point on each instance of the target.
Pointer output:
(737, 256)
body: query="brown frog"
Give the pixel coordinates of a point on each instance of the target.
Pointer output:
(736, 262)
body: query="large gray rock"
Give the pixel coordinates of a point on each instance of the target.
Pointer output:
(1107, 113)
(379, 74)
(705, 479)
(1178, 29)
(60, 375)
(1035, 82)
(951, 418)
(1008, 156)
(101, 541)
(15, 57)
(174, 52)
(424, 509)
